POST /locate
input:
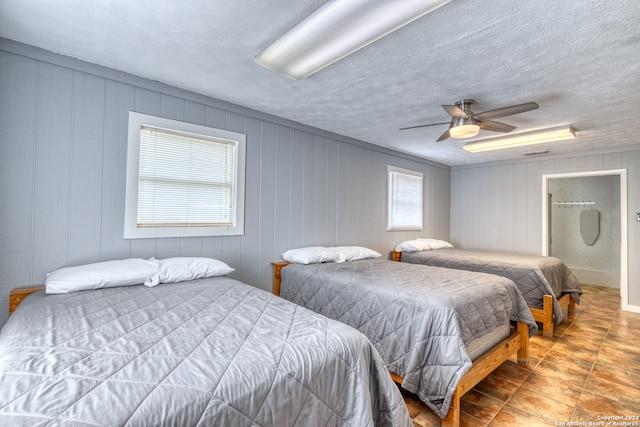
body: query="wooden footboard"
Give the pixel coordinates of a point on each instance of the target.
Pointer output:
(487, 363)
(18, 294)
(545, 315)
(483, 366)
(518, 342)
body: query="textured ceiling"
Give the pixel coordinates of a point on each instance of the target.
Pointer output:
(579, 59)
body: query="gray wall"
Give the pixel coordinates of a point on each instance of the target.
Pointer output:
(598, 263)
(63, 142)
(499, 206)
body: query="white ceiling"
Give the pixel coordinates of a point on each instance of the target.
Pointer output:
(578, 59)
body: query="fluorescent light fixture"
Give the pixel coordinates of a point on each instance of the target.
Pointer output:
(520, 139)
(337, 29)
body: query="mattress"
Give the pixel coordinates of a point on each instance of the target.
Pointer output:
(206, 352)
(535, 276)
(481, 345)
(420, 319)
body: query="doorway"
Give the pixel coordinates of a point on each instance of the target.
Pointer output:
(584, 224)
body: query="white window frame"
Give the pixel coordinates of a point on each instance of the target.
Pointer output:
(131, 228)
(413, 198)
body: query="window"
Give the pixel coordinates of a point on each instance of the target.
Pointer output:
(183, 179)
(404, 202)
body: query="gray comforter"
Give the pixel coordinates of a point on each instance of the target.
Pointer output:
(419, 318)
(535, 276)
(212, 352)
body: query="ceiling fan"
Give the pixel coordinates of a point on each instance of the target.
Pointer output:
(465, 123)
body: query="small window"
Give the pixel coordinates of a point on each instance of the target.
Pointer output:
(404, 203)
(183, 179)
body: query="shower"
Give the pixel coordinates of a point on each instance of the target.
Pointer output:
(584, 225)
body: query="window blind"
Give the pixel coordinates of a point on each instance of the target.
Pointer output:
(185, 179)
(405, 200)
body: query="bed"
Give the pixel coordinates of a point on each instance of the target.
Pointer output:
(549, 287)
(427, 323)
(209, 351)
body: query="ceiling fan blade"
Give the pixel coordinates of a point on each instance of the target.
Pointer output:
(496, 126)
(424, 126)
(443, 136)
(455, 112)
(505, 111)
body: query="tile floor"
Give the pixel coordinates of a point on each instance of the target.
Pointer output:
(590, 368)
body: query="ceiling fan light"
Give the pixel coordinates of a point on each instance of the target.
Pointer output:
(464, 131)
(520, 139)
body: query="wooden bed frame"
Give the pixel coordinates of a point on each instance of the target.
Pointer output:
(517, 342)
(543, 315)
(18, 294)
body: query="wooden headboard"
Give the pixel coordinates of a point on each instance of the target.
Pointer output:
(17, 295)
(277, 278)
(396, 255)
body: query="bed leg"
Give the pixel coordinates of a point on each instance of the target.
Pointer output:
(523, 351)
(453, 416)
(572, 305)
(547, 323)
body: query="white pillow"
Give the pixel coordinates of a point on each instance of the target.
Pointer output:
(423, 245)
(353, 253)
(311, 255)
(180, 269)
(107, 274)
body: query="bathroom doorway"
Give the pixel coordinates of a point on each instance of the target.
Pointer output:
(584, 224)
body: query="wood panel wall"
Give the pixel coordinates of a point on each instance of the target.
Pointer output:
(63, 144)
